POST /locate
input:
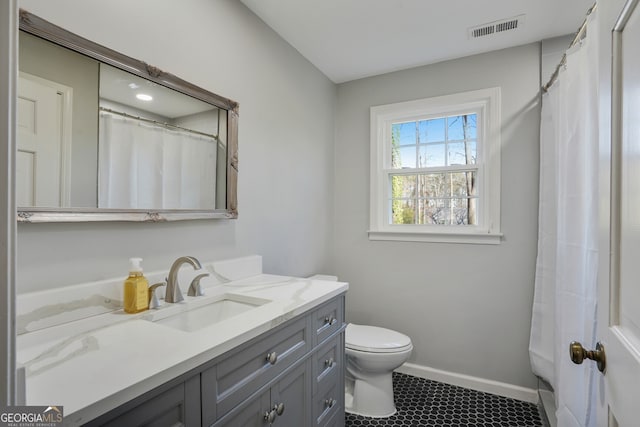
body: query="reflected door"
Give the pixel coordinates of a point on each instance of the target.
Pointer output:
(39, 114)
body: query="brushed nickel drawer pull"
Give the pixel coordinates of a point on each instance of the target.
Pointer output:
(272, 357)
(279, 408)
(270, 416)
(330, 320)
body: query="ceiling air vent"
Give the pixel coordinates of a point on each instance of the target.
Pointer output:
(501, 26)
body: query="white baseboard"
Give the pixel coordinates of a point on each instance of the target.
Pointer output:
(474, 383)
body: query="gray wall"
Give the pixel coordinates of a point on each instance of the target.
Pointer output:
(286, 132)
(467, 308)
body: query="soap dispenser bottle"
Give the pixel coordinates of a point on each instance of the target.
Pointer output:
(136, 288)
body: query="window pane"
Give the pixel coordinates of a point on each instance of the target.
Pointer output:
(464, 211)
(460, 216)
(456, 154)
(431, 155)
(461, 127)
(403, 186)
(422, 131)
(404, 132)
(472, 126)
(432, 130)
(434, 211)
(463, 184)
(455, 125)
(433, 185)
(403, 212)
(404, 157)
(461, 153)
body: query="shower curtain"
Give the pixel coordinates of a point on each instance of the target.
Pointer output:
(564, 308)
(145, 166)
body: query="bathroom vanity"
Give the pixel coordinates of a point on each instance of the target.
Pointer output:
(255, 350)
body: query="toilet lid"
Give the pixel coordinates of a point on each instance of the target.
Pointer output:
(375, 340)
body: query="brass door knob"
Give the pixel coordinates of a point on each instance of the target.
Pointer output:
(578, 354)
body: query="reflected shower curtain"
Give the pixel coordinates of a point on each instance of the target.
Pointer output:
(142, 166)
(564, 308)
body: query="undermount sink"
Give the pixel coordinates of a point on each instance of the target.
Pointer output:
(222, 308)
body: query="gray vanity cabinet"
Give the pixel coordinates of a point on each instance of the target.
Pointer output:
(239, 373)
(176, 403)
(290, 376)
(285, 403)
(328, 384)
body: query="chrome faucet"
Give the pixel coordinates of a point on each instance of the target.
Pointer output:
(173, 287)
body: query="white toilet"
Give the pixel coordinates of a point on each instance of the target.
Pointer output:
(372, 355)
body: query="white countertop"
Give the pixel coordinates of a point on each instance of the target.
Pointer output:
(95, 364)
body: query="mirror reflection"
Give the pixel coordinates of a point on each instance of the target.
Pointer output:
(57, 158)
(92, 136)
(157, 148)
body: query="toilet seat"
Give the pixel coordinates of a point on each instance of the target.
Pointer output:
(372, 339)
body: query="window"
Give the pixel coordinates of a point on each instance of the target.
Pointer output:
(435, 169)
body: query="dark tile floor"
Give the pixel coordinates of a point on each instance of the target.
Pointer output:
(422, 402)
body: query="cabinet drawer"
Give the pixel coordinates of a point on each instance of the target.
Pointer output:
(290, 392)
(249, 414)
(327, 403)
(328, 362)
(175, 406)
(245, 369)
(327, 319)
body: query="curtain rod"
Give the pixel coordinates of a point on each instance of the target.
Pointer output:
(579, 35)
(166, 125)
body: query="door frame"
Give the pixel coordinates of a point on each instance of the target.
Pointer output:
(8, 92)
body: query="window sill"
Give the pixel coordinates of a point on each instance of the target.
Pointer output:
(437, 237)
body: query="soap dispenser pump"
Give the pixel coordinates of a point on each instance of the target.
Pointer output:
(136, 288)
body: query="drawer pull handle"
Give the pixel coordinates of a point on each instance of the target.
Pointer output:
(272, 357)
(330, 320)
(279, 408)
(270, 416)
(330, 402)
(329, 362)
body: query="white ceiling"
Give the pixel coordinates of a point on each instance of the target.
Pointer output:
(122, 87)
(350, 39)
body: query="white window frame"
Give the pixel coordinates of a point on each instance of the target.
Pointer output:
(485, 103)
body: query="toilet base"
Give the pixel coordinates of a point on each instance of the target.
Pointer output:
(372, 398)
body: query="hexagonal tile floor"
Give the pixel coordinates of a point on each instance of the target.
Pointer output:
(422, 402)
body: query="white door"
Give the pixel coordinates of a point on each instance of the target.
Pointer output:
(619, 294)
(38, 159)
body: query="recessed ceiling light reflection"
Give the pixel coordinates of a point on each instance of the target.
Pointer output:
(144, 97)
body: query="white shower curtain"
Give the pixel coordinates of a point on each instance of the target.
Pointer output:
(142, 166)
(564, 308)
